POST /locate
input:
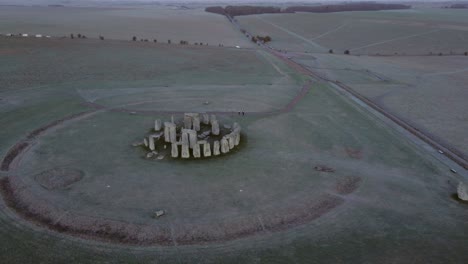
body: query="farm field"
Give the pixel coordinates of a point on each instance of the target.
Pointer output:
(409, 32)
(159, 22)
(395, 62)
(317, 178)
(429, 92)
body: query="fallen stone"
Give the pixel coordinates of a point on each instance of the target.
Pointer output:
(324, 168)
(137, 144)
(158, 213)
(462, 191)
(149, 155)
(160, 157)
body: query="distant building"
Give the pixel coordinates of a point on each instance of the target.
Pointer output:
(24, 35)
(38, 36)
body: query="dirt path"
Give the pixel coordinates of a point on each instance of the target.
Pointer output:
(287, 108)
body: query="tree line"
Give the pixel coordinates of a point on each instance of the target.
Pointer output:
(232, 11)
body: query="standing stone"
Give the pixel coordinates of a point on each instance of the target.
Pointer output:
(235, 126)
(167, 133)
(224, 145)
(187, 121)
(145, 141)
(157, 125)
(216, 148)
(196, 150)
(151, 143)
(173, 133)
(174, 150)
(185, 137)
(214, 127)
(462, 191)
(206, 150)
(237, 137)
(205, 119)
(196, 122)
(172, 119)
(212, 118)
(192, 137)
(230, 139)
(185, 151)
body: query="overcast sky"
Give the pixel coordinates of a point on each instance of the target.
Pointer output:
(71, 2)
(224, 2)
